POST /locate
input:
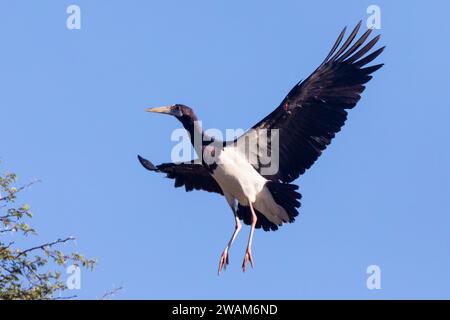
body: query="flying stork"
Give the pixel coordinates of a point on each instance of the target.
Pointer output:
(306, 121)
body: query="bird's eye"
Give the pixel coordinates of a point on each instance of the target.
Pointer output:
(177, 110)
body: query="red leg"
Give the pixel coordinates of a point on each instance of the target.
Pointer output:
(224, 258)
(248, 253)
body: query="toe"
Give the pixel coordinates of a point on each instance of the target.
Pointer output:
(244, 264)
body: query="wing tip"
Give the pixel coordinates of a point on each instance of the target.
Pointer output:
(146, 164)
(352, 54)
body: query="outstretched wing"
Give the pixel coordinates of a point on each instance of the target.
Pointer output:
(191, 175)
(315, 109)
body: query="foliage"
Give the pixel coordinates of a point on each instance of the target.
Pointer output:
(29, 273)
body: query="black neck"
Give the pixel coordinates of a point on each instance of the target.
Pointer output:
(196, 134)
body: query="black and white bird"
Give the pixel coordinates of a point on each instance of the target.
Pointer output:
(305, 123)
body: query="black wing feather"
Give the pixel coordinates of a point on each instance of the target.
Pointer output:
(316, 108)
(192, 176)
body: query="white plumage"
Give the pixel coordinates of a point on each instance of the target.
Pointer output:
(240, 181)
(260, 192)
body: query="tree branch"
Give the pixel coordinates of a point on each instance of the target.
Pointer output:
(22, 188)
(42, 247)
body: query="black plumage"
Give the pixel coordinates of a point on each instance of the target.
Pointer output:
(316, 108)
(192, 176)
(304, 123)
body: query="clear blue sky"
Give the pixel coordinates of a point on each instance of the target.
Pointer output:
(71, 108)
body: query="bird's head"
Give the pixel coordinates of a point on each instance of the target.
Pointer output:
(183, 113)
(177, 110)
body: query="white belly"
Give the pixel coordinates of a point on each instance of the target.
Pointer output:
(239, 180)
(237, 177)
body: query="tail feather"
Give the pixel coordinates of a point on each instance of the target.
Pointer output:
(285, 195)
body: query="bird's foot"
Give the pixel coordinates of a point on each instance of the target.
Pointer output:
(223, 261)
(247, 258)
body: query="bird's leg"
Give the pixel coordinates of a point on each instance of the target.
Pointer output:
(248, 253)
(224, 259)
